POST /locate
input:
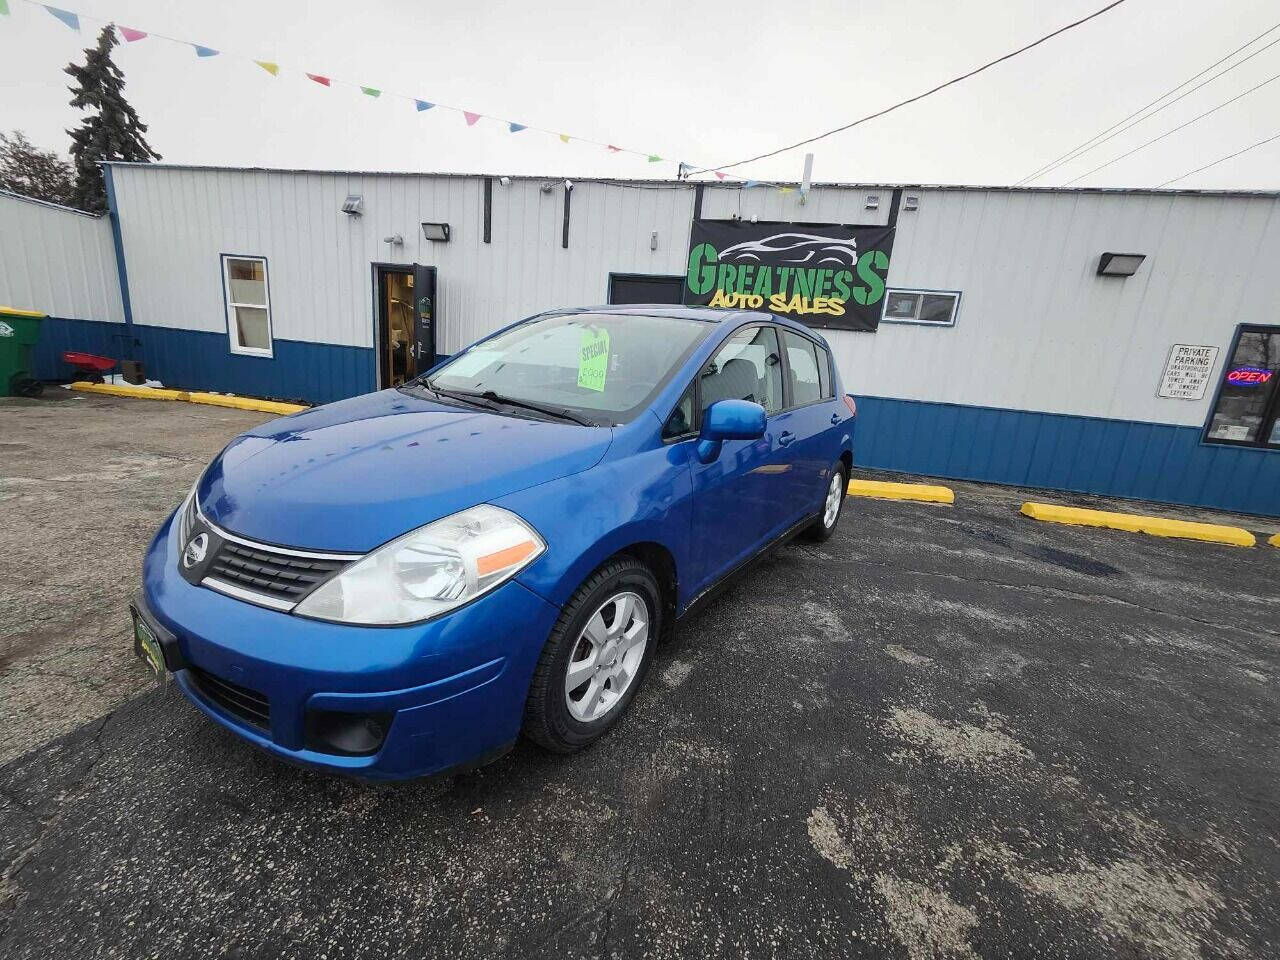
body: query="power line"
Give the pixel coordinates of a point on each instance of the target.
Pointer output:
(1229, 156)
(1143, 146)
(919, 96)
(1090, 144)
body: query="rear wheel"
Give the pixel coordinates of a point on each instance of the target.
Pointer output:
(832, 505)
(596, 657)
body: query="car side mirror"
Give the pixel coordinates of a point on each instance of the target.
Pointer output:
(729, 420)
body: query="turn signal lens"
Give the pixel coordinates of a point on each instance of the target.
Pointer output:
(429, 571)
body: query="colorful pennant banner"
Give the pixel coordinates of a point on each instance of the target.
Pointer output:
(133, 35)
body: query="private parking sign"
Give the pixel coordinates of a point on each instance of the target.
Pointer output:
(1187, 371)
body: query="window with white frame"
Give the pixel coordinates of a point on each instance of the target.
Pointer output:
(248, 305)
(936, 308)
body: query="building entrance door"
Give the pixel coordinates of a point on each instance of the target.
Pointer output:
(405, 322)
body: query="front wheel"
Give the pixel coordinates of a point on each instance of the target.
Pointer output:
(832, 505)
(596, 657)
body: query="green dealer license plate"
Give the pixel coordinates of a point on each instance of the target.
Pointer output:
(147, 647)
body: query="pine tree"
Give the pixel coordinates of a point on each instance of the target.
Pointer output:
(113, 132)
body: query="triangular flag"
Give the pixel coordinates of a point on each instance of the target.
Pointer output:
(204, 51)
(131, 34)
(564, 138)
(654, 158)
(752, 183)
(423, 105)
(271, 68)
(66, 16)
(370, 92)
(787, 189)
(471, 117)
(323, 81)
(719, 175)
(515, 127)
(4, 8)
(613, 149)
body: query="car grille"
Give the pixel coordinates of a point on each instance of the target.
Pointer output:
(241, 702)
(281, 576)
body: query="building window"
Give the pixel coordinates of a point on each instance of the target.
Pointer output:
(937, 308)
(248, 305)
(1246, 410)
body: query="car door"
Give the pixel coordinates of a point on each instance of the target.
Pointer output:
(811, 417)
(739, 498)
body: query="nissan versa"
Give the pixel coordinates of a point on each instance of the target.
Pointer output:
(401, 583)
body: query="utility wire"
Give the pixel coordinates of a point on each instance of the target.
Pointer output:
(1143, 146)
(1094, 141)
(919, 96)
(1229, 156)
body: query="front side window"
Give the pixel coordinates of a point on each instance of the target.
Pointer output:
(604, 366)
(1247, 409)
(748, 367)
(681, 421)
(933, 307)
(806, 363)
(248, 305)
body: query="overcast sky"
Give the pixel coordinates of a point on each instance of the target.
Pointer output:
(708, 83)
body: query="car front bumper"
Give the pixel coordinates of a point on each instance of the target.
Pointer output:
(449, 693)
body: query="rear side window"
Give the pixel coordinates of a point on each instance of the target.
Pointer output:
(805, 369)
(748, 367)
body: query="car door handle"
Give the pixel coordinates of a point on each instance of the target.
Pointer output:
(786, 438)
(835, 418)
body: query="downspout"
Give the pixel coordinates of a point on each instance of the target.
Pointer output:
(117, 240)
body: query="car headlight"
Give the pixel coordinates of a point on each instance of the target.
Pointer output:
(187, 513)
(429, 571)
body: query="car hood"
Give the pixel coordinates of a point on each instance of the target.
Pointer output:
(354, 474)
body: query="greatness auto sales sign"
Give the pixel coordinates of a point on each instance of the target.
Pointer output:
(823, 275)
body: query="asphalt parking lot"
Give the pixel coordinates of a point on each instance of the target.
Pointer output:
(948, 732)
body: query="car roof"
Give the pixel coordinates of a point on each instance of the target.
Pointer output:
(705, 314)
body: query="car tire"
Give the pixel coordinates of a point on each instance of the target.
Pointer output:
(825, 525)
(621, 588)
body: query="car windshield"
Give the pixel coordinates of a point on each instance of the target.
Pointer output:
(606, 367)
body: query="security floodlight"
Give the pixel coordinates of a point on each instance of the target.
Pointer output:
(438, 232)
(505, 181)
(1120, 264)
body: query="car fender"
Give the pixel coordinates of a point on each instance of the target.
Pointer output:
(642, 498)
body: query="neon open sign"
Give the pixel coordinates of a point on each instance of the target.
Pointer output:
(1249, 376)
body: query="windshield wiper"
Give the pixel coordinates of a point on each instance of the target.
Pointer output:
(560, 412)
(462, 396)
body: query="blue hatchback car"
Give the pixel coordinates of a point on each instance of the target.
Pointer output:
(402, 583)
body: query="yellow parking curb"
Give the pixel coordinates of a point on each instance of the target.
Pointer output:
(245, 403)
(119, 390)
(1137, 523)
(1274, 540)
(884, 490)
(212, 399)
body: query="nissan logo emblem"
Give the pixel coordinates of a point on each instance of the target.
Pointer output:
(196, 550)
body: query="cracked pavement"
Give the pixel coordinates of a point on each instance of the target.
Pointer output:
(947, 732)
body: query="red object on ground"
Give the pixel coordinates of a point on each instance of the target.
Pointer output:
(88, 361)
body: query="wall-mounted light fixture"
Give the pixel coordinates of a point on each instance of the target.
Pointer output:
(505, 181)
(1120, 264)
(353, 205)
(438, 232)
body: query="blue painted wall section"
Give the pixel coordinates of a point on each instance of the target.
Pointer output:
(197, 360)
(1119, 458)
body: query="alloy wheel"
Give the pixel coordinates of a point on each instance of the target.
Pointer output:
(835, 493)
(606, 657)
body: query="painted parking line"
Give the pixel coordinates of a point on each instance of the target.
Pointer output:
(212, 399)
(884, 490)
(1139, 523)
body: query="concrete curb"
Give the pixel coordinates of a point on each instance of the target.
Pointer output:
(212, 399)
(1138, 523)
(884, 490)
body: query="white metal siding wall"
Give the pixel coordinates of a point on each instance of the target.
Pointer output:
(58, 261)
(177, 221)
(1038, 330)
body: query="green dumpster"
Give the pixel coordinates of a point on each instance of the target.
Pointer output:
(19, 330)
